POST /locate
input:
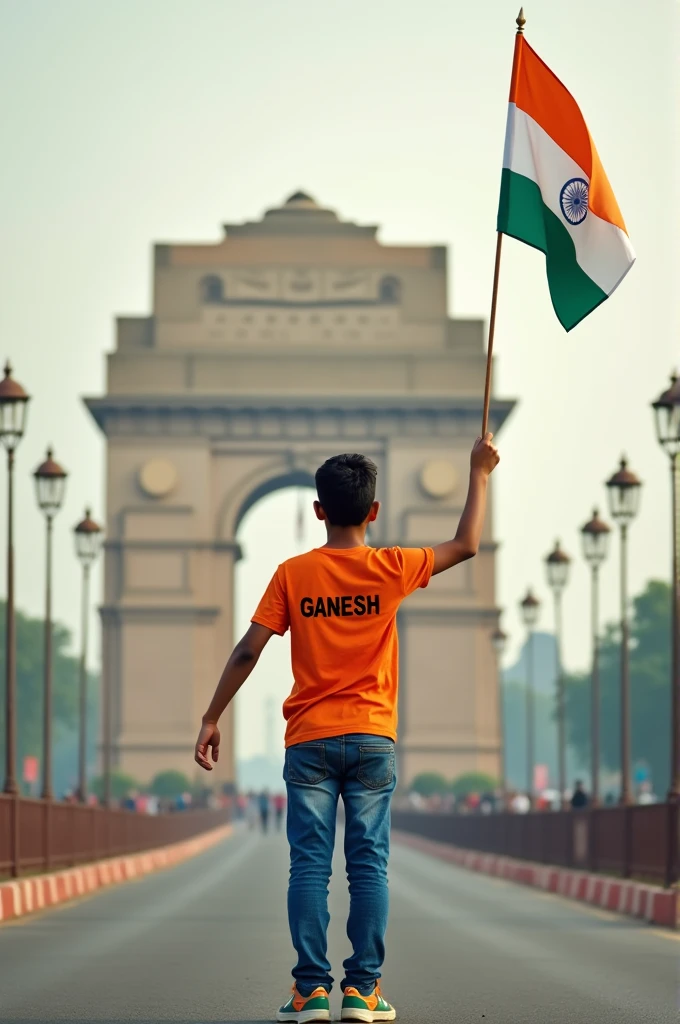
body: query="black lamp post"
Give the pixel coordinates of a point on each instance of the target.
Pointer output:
(88, 537)
(50, 483)
(667, 409)
(529, 608)
(595, 536)
(499, 642)
(557, 566)
(624, 501)
(13, 408)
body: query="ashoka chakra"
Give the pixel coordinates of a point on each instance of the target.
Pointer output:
(574, 200)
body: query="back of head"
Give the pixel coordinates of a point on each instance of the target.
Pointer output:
(345, 486)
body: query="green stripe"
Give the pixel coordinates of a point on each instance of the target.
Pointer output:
(523, 215)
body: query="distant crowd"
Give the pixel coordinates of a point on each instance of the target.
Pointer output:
(256, 809)
(261, 809)
(264, 810)
(149, 803)
(517, 802)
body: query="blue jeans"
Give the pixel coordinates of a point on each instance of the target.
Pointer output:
(360, 769)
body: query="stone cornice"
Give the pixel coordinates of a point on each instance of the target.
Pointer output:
(159, 613)
(152, 742)
(270, 415)
(176, 545)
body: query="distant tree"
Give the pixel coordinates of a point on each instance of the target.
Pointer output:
(473, 782)
(650, 690)
(170, 784)
(121, 785)
(30, 677)
(429, 784)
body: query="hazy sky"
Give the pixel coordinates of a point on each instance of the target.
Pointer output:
(134, 121)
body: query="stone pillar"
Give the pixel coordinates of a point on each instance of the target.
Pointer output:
(168, 608)
(449, 716)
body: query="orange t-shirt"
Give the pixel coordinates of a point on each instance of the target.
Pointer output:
(341, 605)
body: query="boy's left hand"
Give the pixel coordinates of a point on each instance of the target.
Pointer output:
(209, 736)
(484, 457)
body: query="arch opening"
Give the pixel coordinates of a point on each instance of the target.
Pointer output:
(275, 522)
(297, 478)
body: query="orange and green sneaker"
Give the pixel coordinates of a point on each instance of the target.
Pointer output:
(366, 1008)
(304, 1010)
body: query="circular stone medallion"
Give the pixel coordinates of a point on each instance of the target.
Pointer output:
(157, 477)
(438, 478)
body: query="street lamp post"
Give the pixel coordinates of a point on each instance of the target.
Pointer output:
(623, 489)
(595, 541)
(557, 566)
(529, 607)
(88, 536)
(50, 482)
(13, 408)
(499, 641)
(667, 409)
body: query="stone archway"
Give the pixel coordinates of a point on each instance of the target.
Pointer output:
(285, 471)
(211, 405)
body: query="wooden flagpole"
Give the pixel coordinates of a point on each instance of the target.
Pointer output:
(521, 22)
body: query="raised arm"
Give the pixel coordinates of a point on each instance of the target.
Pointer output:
(241, 663)
(465, 544)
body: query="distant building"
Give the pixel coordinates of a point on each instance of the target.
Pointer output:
(544, 664)
(294, 337)
(257, 773)
(545, 721)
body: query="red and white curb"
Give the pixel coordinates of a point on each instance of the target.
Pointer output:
(656, 905)
(28, 895)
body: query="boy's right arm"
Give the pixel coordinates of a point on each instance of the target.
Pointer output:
(271, 617)
(465, 544)
(243, 660)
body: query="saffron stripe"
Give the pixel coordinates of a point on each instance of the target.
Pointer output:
(537, 91)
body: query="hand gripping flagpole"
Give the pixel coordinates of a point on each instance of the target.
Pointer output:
(521, 22)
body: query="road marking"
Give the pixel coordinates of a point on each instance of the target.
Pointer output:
(82, 895)
(670, 934)
(73, 901)
(604, 915)
(594, 911)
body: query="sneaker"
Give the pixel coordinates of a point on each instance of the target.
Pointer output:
(304, 1010)
(366, 1008)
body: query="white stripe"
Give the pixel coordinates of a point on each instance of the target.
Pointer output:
(16, 895)
(603, 250)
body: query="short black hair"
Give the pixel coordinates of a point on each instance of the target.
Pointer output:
(345, 486)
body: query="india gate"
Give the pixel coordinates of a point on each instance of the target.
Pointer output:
(295, 337)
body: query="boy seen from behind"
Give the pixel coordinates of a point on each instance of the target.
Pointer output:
(340, 602)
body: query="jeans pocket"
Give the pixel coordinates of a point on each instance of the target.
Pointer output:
(306, 763)
(376, 765)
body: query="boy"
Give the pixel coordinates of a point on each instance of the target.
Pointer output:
(340, 603)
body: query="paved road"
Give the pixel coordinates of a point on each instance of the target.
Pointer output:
(208, 942)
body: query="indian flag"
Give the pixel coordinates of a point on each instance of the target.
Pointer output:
(555, 194)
